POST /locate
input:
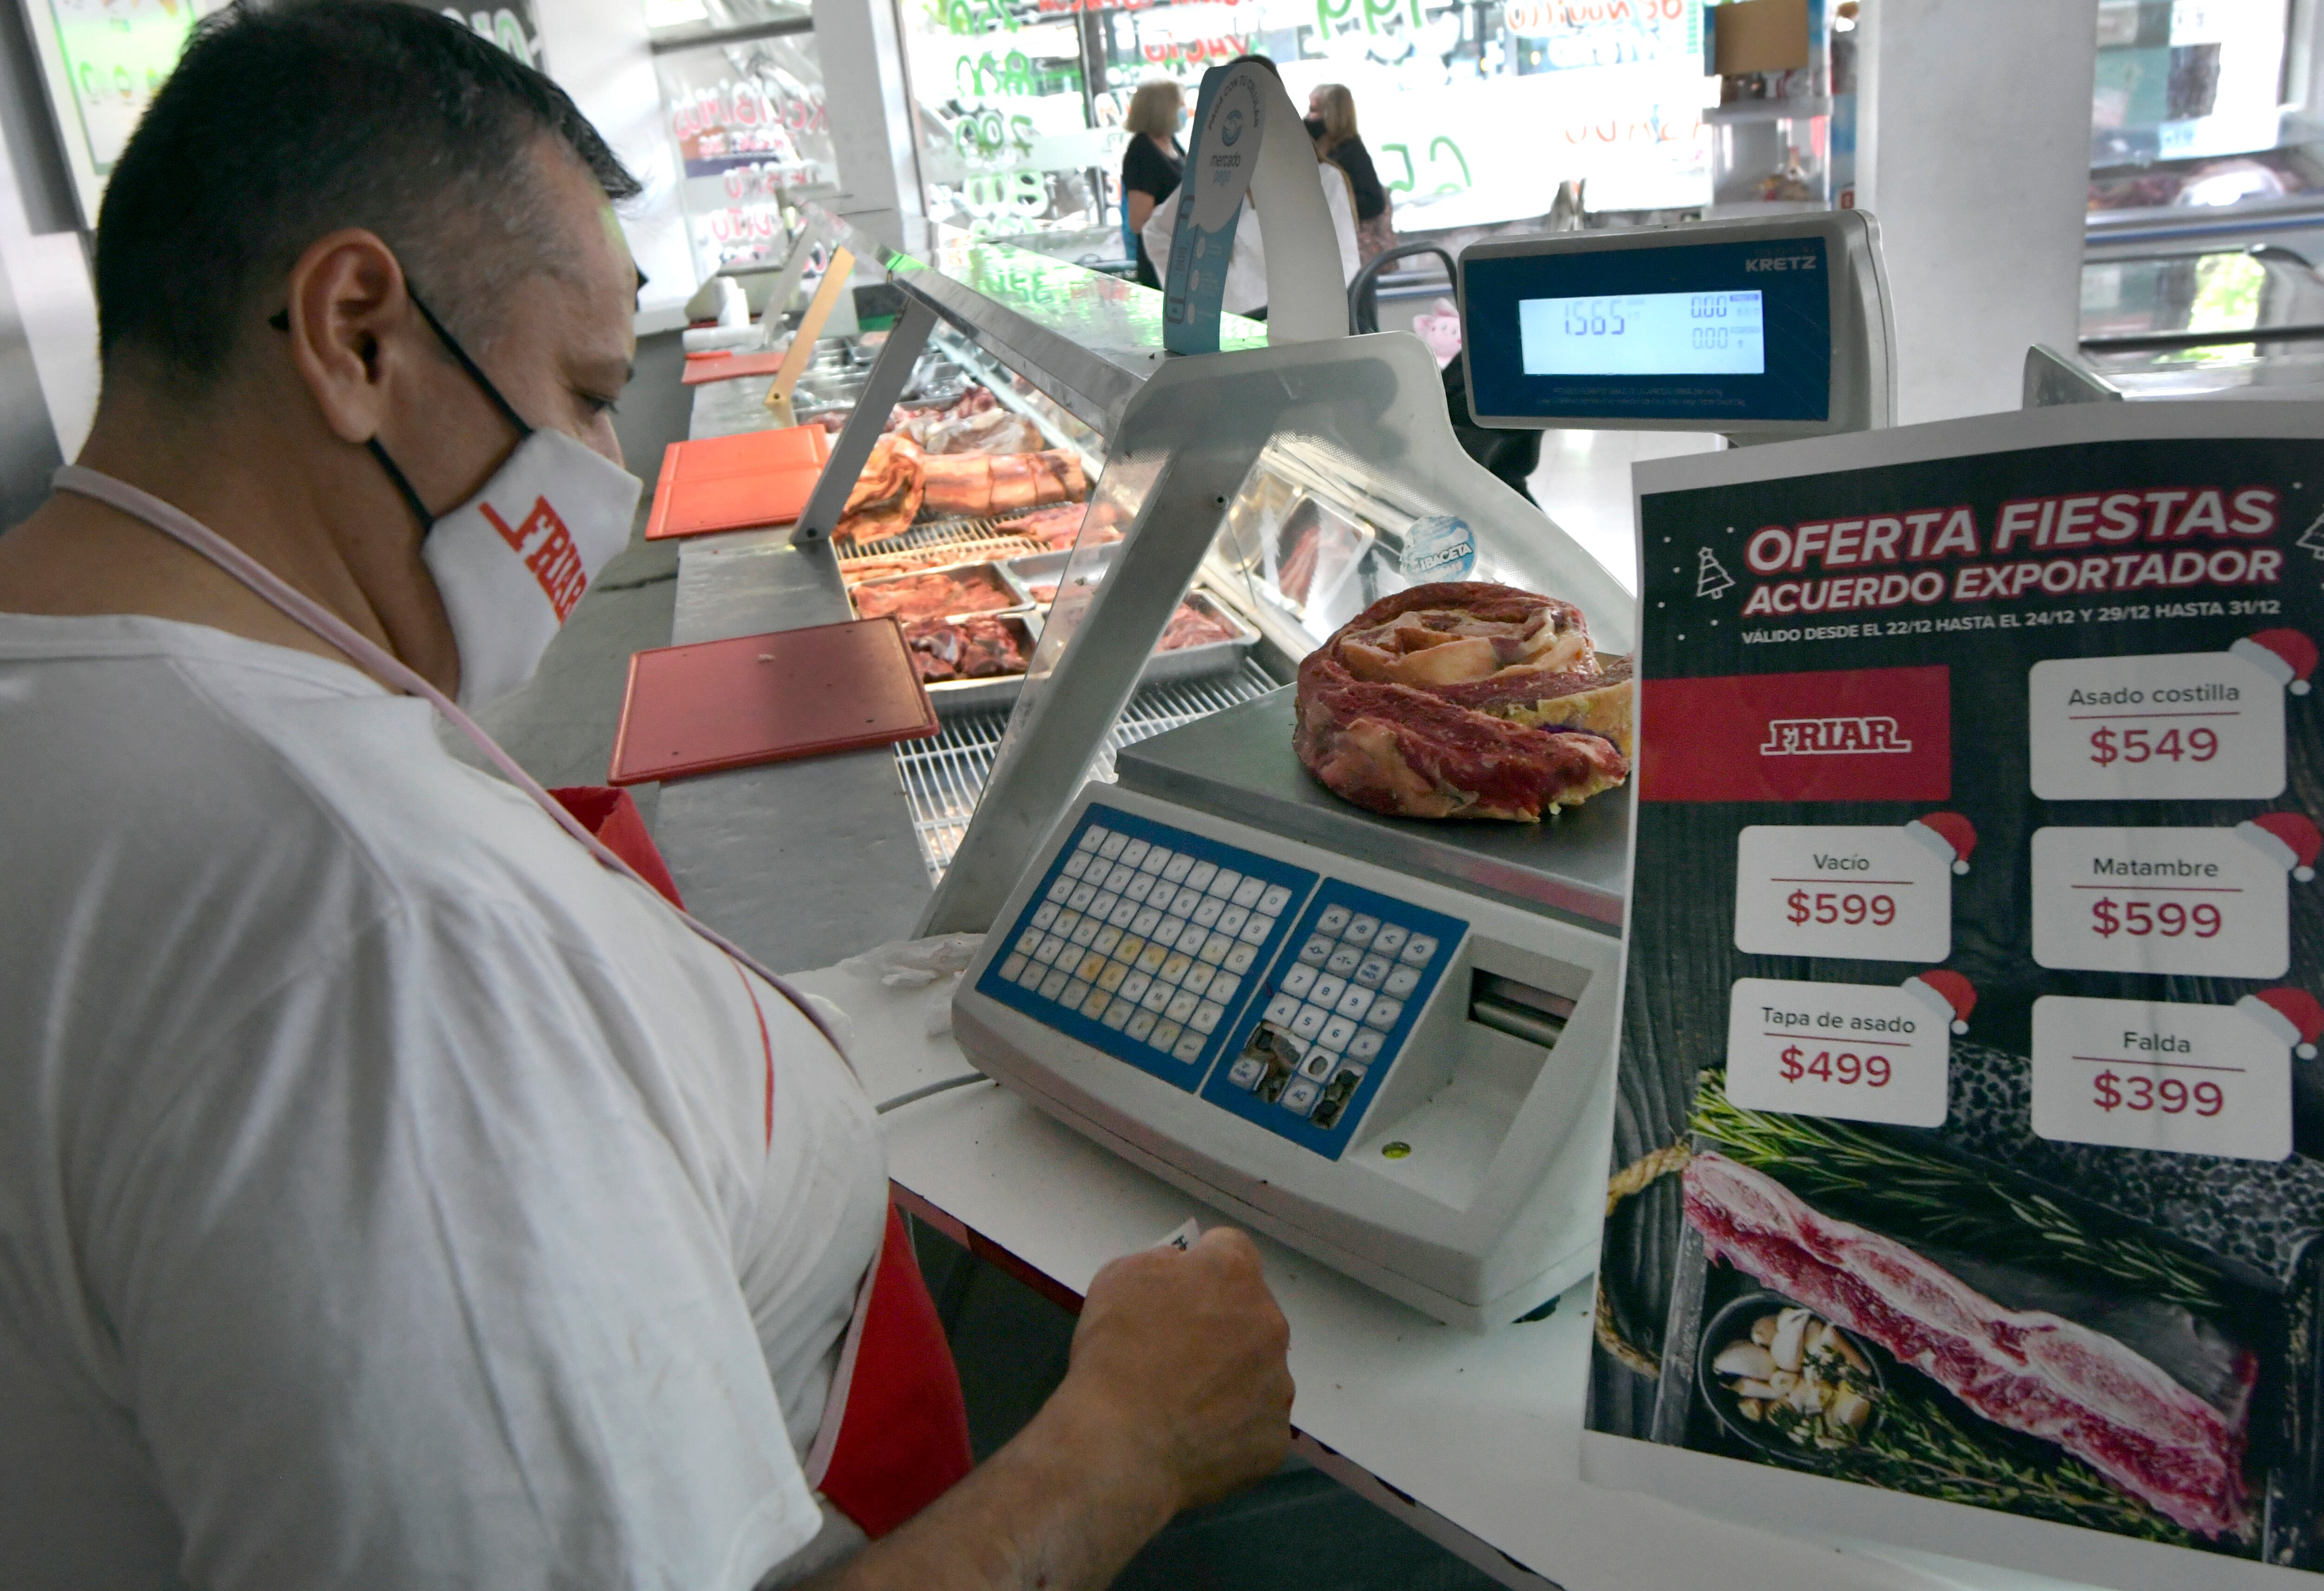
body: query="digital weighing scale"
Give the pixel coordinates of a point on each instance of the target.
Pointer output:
(1387, 1042)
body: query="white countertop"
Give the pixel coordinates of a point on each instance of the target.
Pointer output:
(1482, 1430)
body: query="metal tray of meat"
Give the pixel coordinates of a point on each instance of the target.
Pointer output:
(949, 696)
(1210, 657)
(997, 574)
(1040, 569)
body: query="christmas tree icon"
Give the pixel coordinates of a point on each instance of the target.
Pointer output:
(2312, 539)
(1710, 579)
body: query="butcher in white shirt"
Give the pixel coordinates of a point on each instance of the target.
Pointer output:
(390, 1194)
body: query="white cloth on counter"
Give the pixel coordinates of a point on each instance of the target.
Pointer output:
(390, 1195)
(1246, 283)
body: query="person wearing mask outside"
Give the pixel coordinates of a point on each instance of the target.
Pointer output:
(395, 1191)
(1331, 124)
(1151, 165)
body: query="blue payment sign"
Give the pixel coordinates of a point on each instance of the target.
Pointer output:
(1644, 335)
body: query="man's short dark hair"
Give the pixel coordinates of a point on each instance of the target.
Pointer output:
(286, 122)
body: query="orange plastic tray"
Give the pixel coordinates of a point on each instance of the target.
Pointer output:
(768, 698)
(736, 483)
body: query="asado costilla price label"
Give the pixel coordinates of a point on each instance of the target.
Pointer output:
(2146, 1074)
(1864, 892)
(2188, 726)
(1857, 1052)
(2199, 902)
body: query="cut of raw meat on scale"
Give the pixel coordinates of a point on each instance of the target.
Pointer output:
(2025, 1369)
(1468, 700)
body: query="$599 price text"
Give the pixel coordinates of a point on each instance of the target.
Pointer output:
(2197, 902)
(1863, 892)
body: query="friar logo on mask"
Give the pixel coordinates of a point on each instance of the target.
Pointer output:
(554, 560)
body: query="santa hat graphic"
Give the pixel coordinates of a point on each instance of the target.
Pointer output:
(2287, 838)
(2284, 655)
(1948, 994)
(1948, 834)
(2291, 1015)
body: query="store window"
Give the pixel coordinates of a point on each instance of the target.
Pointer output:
(2202, 103)
(1474, 112)
(741, 92)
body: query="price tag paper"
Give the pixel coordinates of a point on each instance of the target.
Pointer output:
(2142, 1074)
(2186, 726)
(2204, 902)
(1864, 892)
(1856, 1051)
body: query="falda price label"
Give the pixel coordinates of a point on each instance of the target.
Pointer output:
(1858, 1052)
(2148, 1074)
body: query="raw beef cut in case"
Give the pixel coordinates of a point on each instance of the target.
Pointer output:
(1464, 699)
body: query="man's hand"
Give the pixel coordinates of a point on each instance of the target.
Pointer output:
(1184, 1351)
(1178, 1393)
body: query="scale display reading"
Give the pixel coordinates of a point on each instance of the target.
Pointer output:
(1644, 334)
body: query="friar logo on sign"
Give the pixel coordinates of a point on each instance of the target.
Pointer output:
(1833, 737)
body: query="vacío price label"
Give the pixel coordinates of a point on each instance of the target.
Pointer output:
(1861, 891)
(2150, 1074)
(2199, 902)
(1857, 1052)
(2187, 726)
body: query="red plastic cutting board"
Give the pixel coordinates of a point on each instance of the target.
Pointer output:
(701, 368)
(736, 483)
(768, 698)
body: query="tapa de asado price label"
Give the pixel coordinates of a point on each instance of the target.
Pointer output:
(2202, 902)
(1864, 892)
(2185, 726)
(1857, 1052)
(2151, 1074)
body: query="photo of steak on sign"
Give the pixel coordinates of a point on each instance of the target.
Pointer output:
(1970, 1138)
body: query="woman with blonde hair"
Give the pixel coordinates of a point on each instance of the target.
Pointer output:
(1331, 124)
(1151, 165)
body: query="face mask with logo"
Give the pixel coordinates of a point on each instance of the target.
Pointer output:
(511, 561)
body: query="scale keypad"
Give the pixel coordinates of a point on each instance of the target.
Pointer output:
(1333, 1015)
(1146, 942)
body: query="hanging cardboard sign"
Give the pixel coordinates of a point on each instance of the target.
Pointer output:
(1248, 141)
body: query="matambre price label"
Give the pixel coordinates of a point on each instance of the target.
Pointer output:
(1860, 1052)
(2146, 1074)
(2201, 902)
(2187, 726)
(1864, 892)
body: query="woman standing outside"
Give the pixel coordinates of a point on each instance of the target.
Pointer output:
(1151, 165)
(1331, 124)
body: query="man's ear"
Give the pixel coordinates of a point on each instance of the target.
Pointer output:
(349, 322)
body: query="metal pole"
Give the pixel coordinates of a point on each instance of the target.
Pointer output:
(889, 373)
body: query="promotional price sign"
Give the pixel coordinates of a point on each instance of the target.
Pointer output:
(1969, 1139)
(2144, 1074)
(1858, 1052)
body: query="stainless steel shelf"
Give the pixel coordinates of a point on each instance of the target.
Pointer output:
(943, 778)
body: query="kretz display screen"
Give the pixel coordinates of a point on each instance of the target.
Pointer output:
(1738, 332)
(1644, 334)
